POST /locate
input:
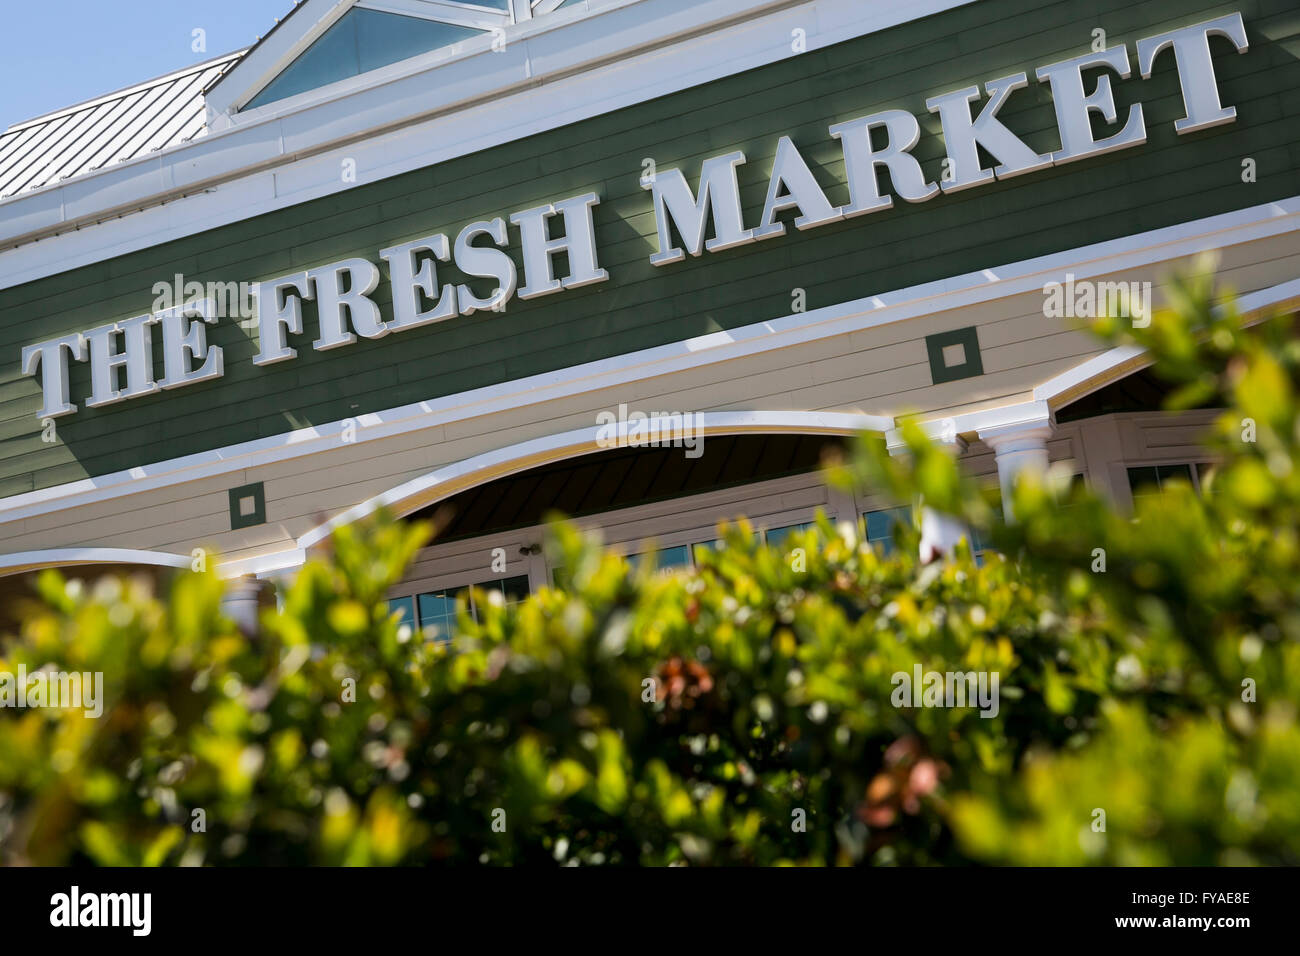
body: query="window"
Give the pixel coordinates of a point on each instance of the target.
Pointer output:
(434, 612)
(665, 559)
(776, 536)
(1149, 479)
(717, 544)
(438, 613)
(512, 590)
(978, 543)
(880, 526)
(1077, 484)
(405, 606)
(362, 40)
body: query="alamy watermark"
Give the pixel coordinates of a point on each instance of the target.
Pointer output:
(624, 429)
(133, 911)
(51, 688)
(231, 300)
(946, 689)
(1086, 299)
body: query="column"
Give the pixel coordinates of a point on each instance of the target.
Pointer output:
(1019, 448)
(242, 603)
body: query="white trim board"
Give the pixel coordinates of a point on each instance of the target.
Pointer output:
(972, 288)
(64, 557)
(561, 70)
(1100, 371)
(25, 561)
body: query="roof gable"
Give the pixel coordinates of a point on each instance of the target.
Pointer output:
(322, 42)
(361, 40)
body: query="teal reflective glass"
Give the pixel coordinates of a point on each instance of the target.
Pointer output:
(880, 525)
(678, 557)
(361, 41)
(776, 536)
(438, 615)
(406, 608)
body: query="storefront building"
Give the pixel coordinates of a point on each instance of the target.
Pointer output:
(639, 261)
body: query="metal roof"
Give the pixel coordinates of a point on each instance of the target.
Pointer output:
(109, 129)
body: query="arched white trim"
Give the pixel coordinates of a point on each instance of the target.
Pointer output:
(1113, 365)
(25, 561)
(71, 557)
(411, 496)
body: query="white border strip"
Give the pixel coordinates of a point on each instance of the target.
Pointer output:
(986, 285)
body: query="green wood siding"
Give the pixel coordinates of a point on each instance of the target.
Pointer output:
(1170, 179)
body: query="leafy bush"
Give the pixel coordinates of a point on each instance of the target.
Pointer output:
(739, 713)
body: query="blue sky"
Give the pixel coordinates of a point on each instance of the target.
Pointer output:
(54, 53)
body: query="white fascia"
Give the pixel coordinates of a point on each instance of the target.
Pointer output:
(1129, 252)
(571, 65)
(24, 561)
(1099, 371)
(476, 17)
(953, 429)
(262, 565)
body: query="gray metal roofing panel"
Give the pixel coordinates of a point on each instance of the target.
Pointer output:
(79, 143)
(23, 153)
(37, 151)
(171, 120)
(77, 157)
(12, 145)
(113, 128)
(60, 156)
(152, 119)
(116, 146)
